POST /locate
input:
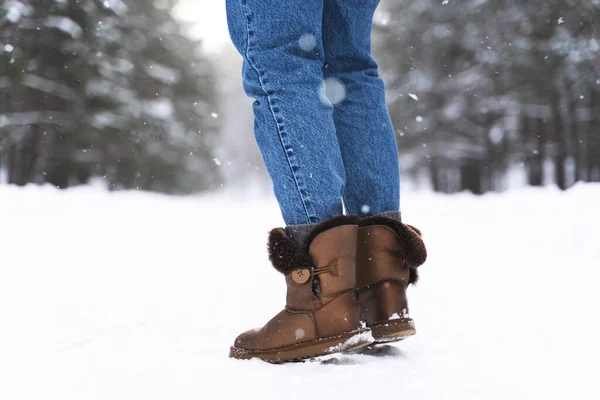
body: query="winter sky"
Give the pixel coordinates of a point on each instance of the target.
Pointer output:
(208, 17)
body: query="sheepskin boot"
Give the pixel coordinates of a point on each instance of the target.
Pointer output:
(388, 255)
(321, 315)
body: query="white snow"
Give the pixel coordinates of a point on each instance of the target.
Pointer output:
(332, 91)
(136, 296)
(160, 108)
(67, 25)
(307, 42)
(116, 5)
(163, 73)
(403, 314)
(17, 10)
(353, 341)
(48, 86)
(31, 117)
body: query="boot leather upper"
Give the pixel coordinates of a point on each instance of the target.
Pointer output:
(315, 310)
(380, 257)
(382, 274)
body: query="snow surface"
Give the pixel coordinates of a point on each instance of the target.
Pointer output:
(137, 296)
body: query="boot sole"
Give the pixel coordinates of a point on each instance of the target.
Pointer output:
(316, 348)
(393, 331)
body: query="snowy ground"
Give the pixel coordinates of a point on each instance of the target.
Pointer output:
(131, 296)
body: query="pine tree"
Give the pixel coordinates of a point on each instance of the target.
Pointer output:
(106, 89)
(499, 84)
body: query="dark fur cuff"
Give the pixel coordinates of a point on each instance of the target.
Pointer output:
(287, 255)
(415, 252)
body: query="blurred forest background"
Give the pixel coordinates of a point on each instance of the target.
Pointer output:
(484, 94)
(108, 89)
(479, 88)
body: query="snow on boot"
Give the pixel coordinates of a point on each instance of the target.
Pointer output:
(387, 257)
(322, 315)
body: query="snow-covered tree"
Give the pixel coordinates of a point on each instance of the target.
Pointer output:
(479, 86)
(107, 89)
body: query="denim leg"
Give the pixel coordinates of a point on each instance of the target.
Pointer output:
(281, 43)
(362, 120)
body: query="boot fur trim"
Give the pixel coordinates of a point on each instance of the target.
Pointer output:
(413, 276)
(415, 252)
(286, 255)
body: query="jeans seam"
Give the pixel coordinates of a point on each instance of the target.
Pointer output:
(280, 129)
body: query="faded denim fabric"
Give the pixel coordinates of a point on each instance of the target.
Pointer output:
(320, 118)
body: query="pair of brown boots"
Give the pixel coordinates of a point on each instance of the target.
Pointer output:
(346, 289)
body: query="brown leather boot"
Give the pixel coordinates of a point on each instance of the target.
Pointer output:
(387, 257)
(322, 315)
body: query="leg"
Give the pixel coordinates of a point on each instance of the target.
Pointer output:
(362, 120)
(280, 41)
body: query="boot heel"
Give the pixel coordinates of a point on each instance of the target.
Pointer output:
(393, 331)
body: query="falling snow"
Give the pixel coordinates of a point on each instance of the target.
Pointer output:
(332, 91)
(307, 42)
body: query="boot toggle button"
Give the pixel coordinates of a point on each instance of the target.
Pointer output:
(301, 275)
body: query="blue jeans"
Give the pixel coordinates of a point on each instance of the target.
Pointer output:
(320, 118)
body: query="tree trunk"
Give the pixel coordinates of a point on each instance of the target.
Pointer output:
(593, 140)
(535, 158)
(559, 144)
(471, 177)
(434, 171)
